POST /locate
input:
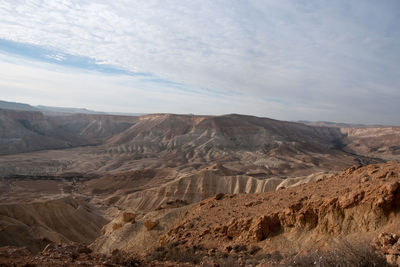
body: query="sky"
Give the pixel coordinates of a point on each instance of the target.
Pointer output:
(288, 59)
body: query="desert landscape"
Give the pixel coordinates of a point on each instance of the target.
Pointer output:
(163, 133)
(186, 190)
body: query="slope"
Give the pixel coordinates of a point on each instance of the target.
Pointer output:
(25, 131)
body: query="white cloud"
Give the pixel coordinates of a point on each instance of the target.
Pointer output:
(42, 83)
(312, 55)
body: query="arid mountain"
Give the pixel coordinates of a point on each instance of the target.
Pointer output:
(25, 131)
(241, 142)
(211, 188)
(260, 146)
(16, 106)
(58, 111)
(185, 139)
(340, 125)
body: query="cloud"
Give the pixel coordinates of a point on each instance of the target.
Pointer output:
(309, 55)
(34, 82)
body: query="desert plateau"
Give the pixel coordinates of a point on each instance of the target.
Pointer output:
(185, 190)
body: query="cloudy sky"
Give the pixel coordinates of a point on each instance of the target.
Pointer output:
(291, 60)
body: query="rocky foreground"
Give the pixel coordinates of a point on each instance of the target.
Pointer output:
(348, 219)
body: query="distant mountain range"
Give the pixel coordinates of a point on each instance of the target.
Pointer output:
(192, 139)
(340, 124)
(53, 111)
(17, 106)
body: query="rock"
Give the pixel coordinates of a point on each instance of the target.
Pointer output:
(151, 224)
(392, 187)
(219, 196)
(259, 230)
(388, 244)
(84, 250)
(116, 226)
(386, 239)
(128, 217)
(253, 203)
(392, 259)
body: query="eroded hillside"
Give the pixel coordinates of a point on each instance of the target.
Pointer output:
(26, 131)
(261, 146)
(352, 207)
(212, 188)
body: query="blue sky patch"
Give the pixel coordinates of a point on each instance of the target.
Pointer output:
(56, 57)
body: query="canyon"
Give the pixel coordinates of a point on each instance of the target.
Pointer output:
(183, 190)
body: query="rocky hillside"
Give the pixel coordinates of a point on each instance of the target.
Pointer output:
(343, 212)
(147, 190)
(359, 202)
(34, 224)
(25, 131)
(211, 136)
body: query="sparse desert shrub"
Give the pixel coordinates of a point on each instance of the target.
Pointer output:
(361, 255)
(124, 259)
(172, 253)
(254, 249)
(256, 256)
(237, 248)
(228, 261)
(158, 254)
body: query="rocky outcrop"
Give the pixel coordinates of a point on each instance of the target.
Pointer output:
(358, 200)
(389, 246)
(142, 235)
(201, 185)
